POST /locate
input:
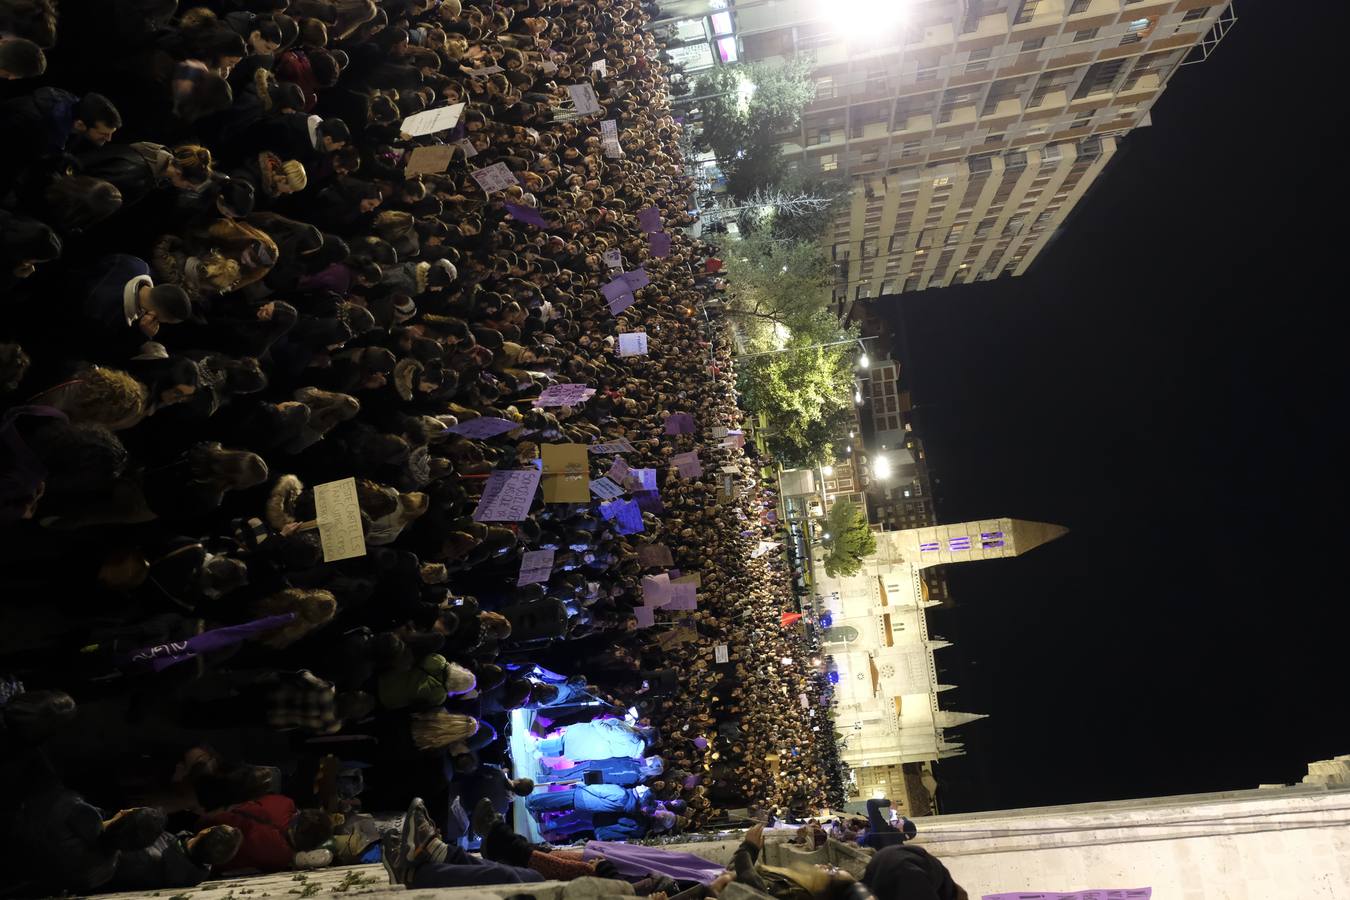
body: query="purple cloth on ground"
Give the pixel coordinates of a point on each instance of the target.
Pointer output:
(637, 861)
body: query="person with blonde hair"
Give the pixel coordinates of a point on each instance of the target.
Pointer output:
(441, 730)
(312, 609)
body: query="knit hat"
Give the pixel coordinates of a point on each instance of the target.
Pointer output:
(294, 171)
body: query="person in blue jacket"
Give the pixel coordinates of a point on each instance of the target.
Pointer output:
(126, 306)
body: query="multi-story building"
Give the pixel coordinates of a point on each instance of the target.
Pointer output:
(969, 128)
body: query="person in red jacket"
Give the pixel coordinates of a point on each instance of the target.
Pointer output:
(274, 831)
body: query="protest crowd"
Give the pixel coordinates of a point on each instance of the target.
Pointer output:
(365, 438)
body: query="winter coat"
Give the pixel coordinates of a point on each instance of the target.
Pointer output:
(421, 686)
(264, 823)
(164, 864)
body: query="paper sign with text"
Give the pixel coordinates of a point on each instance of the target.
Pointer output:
(633, 343)
(508, 495)
(430, 121)
(496, 177)
(619, 446)
(429, 160)
(649, 501)
(656, 590)
(535, 566)
(629, 518)
(688, 464)
(683, 596)
(605, 489)
(613, 259)
(621, 302)
(564, 395)
(339, 515)
(584, 101)
(618, 470)
(467, 148)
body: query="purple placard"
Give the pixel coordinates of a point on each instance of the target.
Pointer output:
(680, 423)
(564, 395)
(701, 743)
(645, 615)
(649, 219)
(688, 464)
(619, 470)
(1097, 894)
(535, 566)
(605, 489)
(659, 242)
(656, 590)
(507, 496)
(529, 216)
(629, 518)
(616, 289)
(683, 596)
(636, 279)
(609, 510)
(642, 479)
(649, 501)
(483, 427)
(620, 303)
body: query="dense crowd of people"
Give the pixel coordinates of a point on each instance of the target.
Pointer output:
(223, 289)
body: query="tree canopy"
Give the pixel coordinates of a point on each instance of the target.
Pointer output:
(850, 539)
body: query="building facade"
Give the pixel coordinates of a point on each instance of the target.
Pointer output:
(969, 128)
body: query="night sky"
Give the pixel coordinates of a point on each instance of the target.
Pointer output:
(1169, 381)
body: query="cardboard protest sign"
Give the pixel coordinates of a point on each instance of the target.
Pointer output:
(564, 395)
(339, 516)
(605, 489)
(649, 219)
(429, 160)
(430, 121)
(687, 464)
(526, 214)
(483, 427)
(584, 100)
(633, 343)
(535, 567)
(508, 495)
(659, 242)
(680, 423)
(655, 590)
(496, 177)
(566, 469)
(618, 470)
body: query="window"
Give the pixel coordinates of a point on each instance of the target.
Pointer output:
(1079, 6)
(721, 23)
(979, 59)
(829, 162)
(1198, 13)
(825, 87)
(1130, 39)
(823, 136)
(1085, 35)
(1081, 121)
(928, 546)
(1026, 12)
(958, 543)
(726, 48)
(1033, 44)
(991, 539)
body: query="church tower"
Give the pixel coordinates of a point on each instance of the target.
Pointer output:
(937, 545)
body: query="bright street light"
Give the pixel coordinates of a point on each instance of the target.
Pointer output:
(864, 361)
(869, 18)
(827, 471)
(882, 467)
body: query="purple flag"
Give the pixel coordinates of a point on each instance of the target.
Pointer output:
(649, 219)
(688, 464)
(680, 423)
(659, 242)
(528, 215)
(483, 427)
(160, 656)
(620, 303)
(636, 279)
(616, 289)
(649, 501)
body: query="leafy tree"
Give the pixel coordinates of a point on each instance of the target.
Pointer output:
(744, 110)
(850, 539)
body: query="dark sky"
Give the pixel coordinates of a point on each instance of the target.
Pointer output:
(1170, 383)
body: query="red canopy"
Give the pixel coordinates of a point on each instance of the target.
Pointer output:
(790, 618)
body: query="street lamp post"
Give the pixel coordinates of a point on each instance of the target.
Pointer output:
(808, 347)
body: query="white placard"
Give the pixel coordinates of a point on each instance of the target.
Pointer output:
(339, 516)
(605, 489)
(613, 258)
(612, 149)
(496, 177)
(720, 653)
(634, 343)
(584, 101)
(599, 66)
(483, 72)
(430, 121)
(467, 148)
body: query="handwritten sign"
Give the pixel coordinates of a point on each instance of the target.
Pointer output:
(584, 100)
(430, 121)
(599, 67)
(483, 427)
(687, 464)
(605, 489)
(721, 653)
(621, 302)
(619, 446)
(564, 395)
(339, 515)
(429, 160)
(659, 243)
(535, 567)
(680, 423)
(526, 214)
(633, 343)
(496, 177)
(655, 555)
(649, 219)
(467, 148)
(718, 431)
(613, 259)
(618, 470)
(656, 590)
(645, 615)
(508, 495)
(609, 129)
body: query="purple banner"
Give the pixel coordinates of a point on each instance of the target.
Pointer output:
(636, 279)
(680, 423)
(659, 242)
(649, 219)
(1097, 894)
(564, 395)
